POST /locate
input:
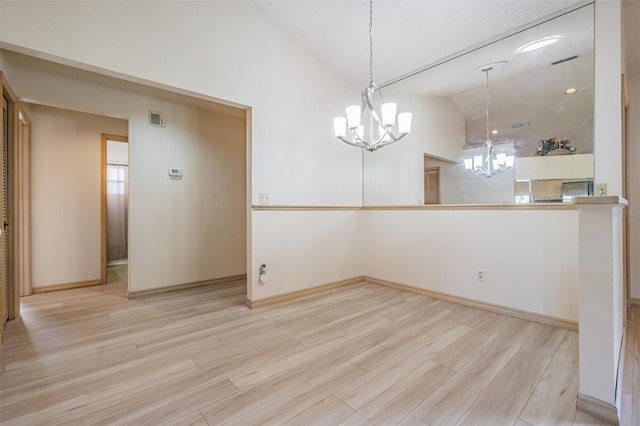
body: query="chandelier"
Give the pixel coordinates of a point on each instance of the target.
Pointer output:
(488, 163)
(370, 126)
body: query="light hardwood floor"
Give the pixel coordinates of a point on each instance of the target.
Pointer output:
(362, 354)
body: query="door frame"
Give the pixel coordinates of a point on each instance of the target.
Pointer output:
(24, 201)
(626, 264)
(428, 170)
(103, 201)
(18, 157)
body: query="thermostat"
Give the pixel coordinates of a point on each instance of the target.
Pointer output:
(175, 172)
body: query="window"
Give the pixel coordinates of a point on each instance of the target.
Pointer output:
(116, 179)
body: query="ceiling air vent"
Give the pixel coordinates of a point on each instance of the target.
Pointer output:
(155, 119)
(520, 124)
(570, 58)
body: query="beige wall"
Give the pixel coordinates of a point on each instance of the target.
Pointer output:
(65, 172)
(191, 228)
(181, 230)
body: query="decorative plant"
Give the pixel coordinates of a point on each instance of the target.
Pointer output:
(552, 144)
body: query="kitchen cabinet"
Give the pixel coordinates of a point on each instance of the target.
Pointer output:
(546, 190)
(574, 166)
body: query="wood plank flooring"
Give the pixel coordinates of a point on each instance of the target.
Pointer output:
(358, 355)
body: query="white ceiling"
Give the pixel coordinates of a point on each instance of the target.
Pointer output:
(407, 34)
(411, 35)
(529, 88)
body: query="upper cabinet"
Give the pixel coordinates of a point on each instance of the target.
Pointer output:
(576, 166)
(546, 190)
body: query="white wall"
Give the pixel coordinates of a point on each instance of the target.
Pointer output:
(601, 317)
(607, 124)
(633, 87)
(530, 258)
(250, 62)
(306, 252)
(395, 174)
(224, 49)
(65, 193)
(601, 299)
(180, 230)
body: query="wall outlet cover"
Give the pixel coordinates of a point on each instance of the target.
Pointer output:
(601, 189)
(263, 198)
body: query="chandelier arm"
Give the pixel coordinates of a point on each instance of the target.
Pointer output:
(368, 102)
(361, 143)
(348, 142)
(358, 140)
(393, 138)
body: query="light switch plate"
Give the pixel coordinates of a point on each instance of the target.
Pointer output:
(263, 198)
(601, 189)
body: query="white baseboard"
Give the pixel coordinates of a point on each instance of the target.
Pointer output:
(500, 309)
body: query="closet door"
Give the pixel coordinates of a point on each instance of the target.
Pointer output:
(4, 213)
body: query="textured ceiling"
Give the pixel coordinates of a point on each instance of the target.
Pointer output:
(529, 88)
(411, 35)
(408, 34)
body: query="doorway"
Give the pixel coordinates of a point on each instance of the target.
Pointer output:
(115, 206)
(432, 185)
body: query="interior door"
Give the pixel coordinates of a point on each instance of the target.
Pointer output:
(432, 185)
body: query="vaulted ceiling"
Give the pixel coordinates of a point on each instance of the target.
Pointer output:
(410, 34)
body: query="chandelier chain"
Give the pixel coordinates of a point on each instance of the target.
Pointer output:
(487, 101)
(370, 42)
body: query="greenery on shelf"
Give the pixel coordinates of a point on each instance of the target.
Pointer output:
(552, 144)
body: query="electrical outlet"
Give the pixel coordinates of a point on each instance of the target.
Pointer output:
(480, 275)
(601, 189)
(263, 198)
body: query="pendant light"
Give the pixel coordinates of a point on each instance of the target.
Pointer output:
(366, 126)
(488, 163)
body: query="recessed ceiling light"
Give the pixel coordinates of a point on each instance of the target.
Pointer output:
(570, 91)
(538, 44)
(494, 132)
